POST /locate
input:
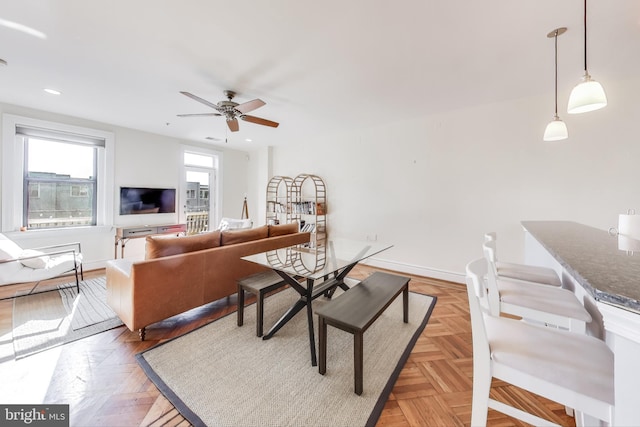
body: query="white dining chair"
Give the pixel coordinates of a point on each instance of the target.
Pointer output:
(531, 273)
(571, 369)
(534, 302)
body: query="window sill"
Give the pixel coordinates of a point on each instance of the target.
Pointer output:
(58, 232)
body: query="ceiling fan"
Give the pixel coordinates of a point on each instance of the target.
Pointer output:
(232, 110)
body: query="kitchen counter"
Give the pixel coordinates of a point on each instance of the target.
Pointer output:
(592, 257)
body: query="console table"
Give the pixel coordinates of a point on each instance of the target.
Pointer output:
(604, 275)
(123, 234)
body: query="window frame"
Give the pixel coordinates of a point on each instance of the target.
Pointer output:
(13, 164)
(215, 187)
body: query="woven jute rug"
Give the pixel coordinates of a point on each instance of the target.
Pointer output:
(45, 320)
(223, 375)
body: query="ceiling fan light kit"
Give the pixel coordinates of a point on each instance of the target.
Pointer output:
(231, 110)
(588, 95)
(556, 130)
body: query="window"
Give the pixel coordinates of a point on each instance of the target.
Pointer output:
(54, 175)
(65, 174)
(200, 191)
(34, 190)
(79, 191)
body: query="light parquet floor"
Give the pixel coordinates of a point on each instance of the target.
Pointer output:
(100, 379)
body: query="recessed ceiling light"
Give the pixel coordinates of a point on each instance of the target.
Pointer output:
(248, 140)
(3, 62)
(53, 91)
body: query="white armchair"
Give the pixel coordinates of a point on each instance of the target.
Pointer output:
(34, 265)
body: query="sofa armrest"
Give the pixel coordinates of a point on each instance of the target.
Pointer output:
(120, 289)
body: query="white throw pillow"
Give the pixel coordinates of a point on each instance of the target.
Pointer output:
(234, 224)
(40, 262)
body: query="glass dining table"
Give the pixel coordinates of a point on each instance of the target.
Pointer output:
(313, 272)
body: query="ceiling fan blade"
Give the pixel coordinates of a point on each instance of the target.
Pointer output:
(259, 121)
(203, 101)
(233, 125)
(245, 107)
(199, 115)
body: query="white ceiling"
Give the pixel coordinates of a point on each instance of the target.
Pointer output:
(322, 67)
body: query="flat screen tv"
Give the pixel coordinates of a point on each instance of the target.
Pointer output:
(140, 200)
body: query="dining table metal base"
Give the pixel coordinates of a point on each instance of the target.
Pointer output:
(307, 294)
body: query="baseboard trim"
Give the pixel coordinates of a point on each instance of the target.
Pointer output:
(417, 270)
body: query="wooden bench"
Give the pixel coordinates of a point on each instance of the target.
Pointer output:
(258, 284)
(356, 310)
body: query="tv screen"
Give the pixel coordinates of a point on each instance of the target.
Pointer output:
(139, 200)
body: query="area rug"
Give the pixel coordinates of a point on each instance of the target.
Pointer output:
(223, 375)
(45, 320)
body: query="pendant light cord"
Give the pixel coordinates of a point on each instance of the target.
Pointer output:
(556, 75)
(585, 36)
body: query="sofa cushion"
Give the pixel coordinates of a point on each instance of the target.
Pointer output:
(231, 237)
(282, 229)
(161, 246)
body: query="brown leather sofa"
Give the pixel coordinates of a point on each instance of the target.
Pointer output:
(181, 273)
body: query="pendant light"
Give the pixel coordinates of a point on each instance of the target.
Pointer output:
(556, 129)
(588, 95)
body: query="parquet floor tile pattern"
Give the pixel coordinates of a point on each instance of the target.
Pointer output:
(100, 379)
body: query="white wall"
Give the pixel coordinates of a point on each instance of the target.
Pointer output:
(433, 186)
(141, 159)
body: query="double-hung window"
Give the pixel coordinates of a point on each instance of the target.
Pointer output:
(58, 176)
(61, 171)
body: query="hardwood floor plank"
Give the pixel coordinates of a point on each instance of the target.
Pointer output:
(161, 410)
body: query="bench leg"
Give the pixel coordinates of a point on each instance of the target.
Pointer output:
(405, 303)
(259, 313)
(358, 362)
(322, 343)
(240, 306)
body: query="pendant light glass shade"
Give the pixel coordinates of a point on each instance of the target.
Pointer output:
(588, 95)
(556, 130)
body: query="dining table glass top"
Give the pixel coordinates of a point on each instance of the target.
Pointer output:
(316, 263)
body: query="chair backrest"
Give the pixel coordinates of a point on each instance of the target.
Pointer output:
(478, 307)
(488, 237)
(489, 250)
